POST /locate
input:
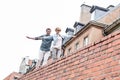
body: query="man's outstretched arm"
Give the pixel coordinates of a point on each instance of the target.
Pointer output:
(34, 38)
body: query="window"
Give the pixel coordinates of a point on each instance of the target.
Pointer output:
(77, 46)
(78, 27)
(69, 50)
(85, 42)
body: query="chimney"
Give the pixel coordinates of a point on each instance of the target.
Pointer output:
(85, 15)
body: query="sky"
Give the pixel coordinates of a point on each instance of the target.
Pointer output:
(20, 18)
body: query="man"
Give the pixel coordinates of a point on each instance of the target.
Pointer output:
(44, 52)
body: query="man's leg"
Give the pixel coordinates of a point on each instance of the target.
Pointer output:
(46, 56)
(41, 56)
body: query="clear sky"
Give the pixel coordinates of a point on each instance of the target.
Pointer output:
(20, 18)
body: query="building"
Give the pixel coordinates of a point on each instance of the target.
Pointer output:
(95, 23)
(88, 34)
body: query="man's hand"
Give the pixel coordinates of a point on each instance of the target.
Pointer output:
(30, 37)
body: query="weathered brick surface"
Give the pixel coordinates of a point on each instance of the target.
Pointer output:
(97, 61)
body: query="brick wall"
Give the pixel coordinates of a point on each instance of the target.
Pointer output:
(97, 61)
(12, 76)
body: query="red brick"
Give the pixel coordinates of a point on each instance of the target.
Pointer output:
(116, 42)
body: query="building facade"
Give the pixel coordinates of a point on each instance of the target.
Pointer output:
(95, 27)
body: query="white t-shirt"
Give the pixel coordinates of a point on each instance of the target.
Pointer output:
(58, 42)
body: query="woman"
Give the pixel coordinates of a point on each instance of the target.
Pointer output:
(57, 44)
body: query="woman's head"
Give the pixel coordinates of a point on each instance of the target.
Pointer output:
(57, 30)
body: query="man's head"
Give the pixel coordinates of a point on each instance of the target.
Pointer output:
(48, 31)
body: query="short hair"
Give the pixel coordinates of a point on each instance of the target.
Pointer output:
(48, 29)
(57, 28)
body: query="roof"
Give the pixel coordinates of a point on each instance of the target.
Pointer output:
(69, 29)
(13, 74)
(100, 8)
(78, 23)
(110, 6)
(114, 8)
